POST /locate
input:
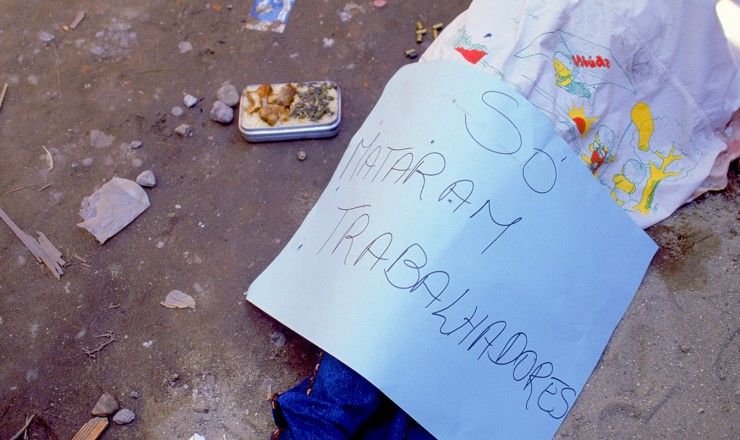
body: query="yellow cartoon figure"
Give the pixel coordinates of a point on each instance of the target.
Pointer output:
(625, 183)
(566, 76)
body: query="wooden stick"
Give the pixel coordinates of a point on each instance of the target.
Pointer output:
(43, 250)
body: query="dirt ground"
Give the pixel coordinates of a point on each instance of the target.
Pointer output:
(223, 208)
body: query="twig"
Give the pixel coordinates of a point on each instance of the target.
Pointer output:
(2, 95)
(25, 427)
(40, 187)
(20, 188)
(166, 69)
(49, 161)
(58, 417)
(93, 353)
(59, 79)
(81, 260)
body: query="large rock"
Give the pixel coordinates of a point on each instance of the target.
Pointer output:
(222, 113)
(228, 94)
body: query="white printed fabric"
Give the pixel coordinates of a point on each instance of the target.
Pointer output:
(642, 90)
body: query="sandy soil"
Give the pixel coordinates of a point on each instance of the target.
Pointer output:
(222, 210)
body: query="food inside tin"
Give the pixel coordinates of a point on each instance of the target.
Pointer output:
(291, 104)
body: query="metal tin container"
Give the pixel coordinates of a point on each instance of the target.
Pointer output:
(300, 122)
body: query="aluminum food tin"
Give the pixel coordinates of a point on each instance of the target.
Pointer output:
(314, 111)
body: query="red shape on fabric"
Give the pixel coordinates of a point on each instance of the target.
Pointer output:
(471, 55)
(580, 123)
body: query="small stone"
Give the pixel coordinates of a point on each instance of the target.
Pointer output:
(135, 394)
(379, 3)
(189, 101)
(146, 178)
(684, 348)
(222, 113)
(700, 411)
(301, 155)
(228, 95)
(278, 339)
(46, 37)
(124, 417)
(184, 46)
(135, 145)
(177, 111)
(183, 130)
(106, 405)
(201, 407)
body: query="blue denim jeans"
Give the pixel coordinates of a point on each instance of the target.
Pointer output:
(337, 403)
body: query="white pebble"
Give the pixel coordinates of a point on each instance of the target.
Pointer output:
(177, 110)
(189, 101)
(46, 37)
(184, 46)
(146, 178)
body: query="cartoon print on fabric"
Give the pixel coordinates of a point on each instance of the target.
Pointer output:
(651, 145)
(583, 122)
(580, 65)
(472, 52)
(653, 142)
(567, 76)
(601, 149)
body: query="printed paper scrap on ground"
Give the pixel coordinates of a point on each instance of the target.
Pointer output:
(462, 259)
(269, 15)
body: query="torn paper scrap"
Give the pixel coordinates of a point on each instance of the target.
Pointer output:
(42, 249)
(178, 300)
(269, 15)
(108, 210)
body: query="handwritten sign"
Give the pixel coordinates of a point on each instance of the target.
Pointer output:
(462, 259)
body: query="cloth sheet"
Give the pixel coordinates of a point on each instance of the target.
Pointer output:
(642, 90)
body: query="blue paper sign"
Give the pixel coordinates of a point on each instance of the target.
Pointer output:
(462, 258)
